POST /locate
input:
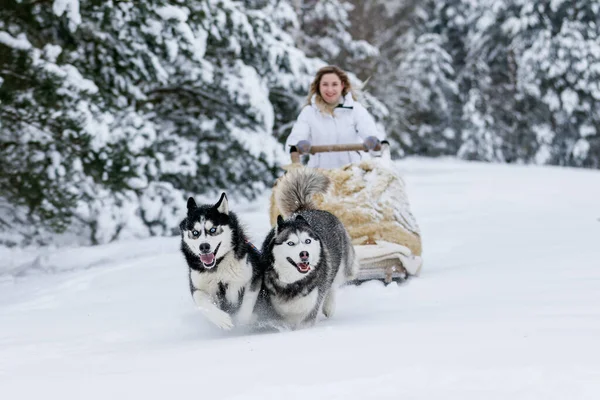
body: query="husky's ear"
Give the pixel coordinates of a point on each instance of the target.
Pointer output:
(301, 218)
(222, 205)
(280, 222)
(191, 205)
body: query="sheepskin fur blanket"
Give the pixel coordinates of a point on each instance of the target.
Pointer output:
(371, 201)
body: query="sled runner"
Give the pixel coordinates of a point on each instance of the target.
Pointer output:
(369, 198)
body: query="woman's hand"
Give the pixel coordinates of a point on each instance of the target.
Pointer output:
(371, 143)
(303, 147)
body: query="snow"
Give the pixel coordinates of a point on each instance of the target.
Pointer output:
(587, 130)
(544, 135)
(506, 307)
(173, 12)
(581, 149)
(172, 49)
(570, 100)
(76, 80)
(251, 90)
(72, 9)
(51, 52)
(552, 100)
(19, 43)
(200, 44)
(555, 4)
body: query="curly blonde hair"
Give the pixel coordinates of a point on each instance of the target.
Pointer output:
(329, 69)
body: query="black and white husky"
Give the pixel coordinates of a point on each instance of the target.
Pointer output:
(223, 266)
(307, 255)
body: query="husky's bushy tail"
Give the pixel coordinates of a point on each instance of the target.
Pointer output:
(297, 188)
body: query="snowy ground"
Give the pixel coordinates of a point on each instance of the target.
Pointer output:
(507, 307)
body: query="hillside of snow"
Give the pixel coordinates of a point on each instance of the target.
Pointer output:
(507, 307)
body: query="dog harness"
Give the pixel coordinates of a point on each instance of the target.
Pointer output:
(249, 243)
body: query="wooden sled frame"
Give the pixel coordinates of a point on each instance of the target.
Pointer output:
(387, 271)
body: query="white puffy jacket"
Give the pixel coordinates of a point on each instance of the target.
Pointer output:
(350, 123)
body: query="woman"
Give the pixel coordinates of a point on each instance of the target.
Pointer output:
(332, 116)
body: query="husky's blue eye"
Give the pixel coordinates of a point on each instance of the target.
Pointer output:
(307, 241)
(212, 230)
(195, 233)
(290, 243)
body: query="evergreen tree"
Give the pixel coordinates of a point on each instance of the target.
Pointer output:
(324, 31)
(44, 108)
(428, 95)
(419, 83)
(558, 43)
(528, 76)
(137, 106)
(490, 77)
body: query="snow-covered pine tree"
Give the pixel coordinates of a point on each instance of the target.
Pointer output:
(496, 113)
(44, 109)
(172, 99)
(558, 48)
(368, 21)
(532, 73)
(418, 82)
(427, 98)
(325, 32)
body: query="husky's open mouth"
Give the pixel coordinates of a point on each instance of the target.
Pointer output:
(210, 259)
(302, 267)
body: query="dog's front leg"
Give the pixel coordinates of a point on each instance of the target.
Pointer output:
(244, 315)
(329, 303)
(211, 311)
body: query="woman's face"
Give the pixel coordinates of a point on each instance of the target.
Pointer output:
(330, 88)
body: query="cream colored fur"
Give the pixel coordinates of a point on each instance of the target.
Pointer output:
(370, 200)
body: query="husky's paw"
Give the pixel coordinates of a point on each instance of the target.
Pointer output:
(309, 323)
(352, 272)
(329, 304)
(220, 319)
(245, 319)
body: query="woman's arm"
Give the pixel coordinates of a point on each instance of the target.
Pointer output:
(300, 130)
(365, 124)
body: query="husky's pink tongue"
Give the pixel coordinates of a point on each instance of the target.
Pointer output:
(207, 258)
(303, 267)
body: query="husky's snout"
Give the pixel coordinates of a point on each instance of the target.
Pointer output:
(207, 256)
(204, 248)
(304, 256)
(304, 265)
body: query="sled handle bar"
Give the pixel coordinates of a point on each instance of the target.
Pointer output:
(327, 148)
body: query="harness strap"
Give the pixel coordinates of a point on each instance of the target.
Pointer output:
(249, 243)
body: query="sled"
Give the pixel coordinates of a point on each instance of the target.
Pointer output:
(370, 199)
